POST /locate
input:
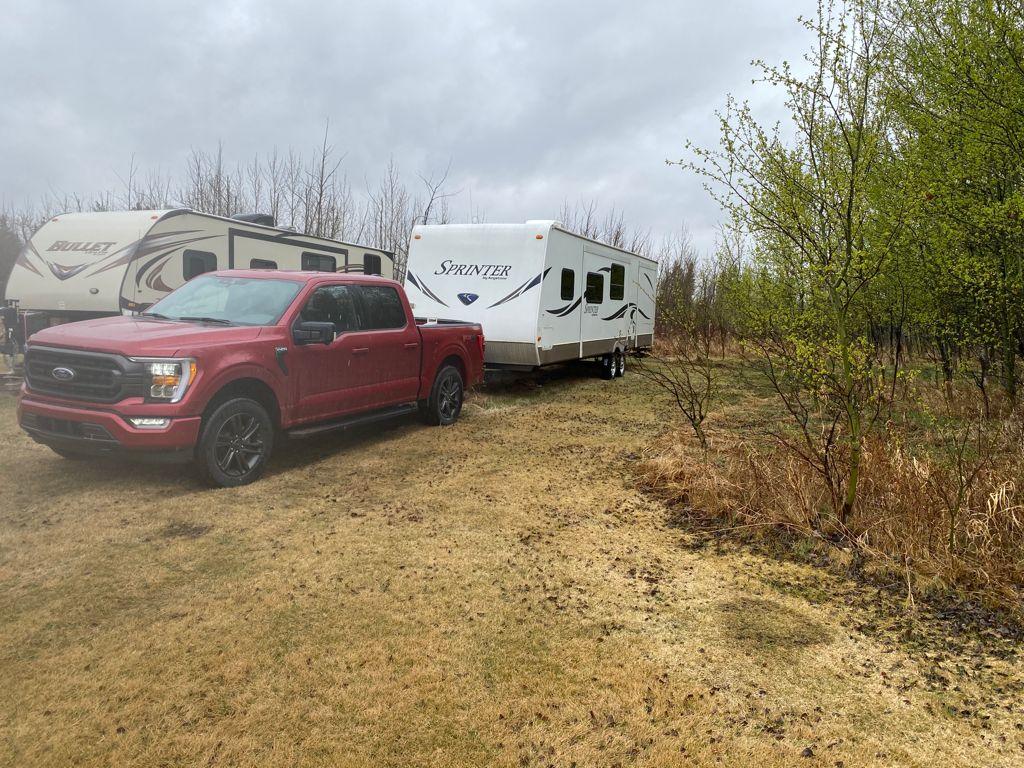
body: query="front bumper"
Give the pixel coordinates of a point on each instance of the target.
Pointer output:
(106, 430)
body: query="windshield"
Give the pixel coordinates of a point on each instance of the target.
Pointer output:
(234, 300)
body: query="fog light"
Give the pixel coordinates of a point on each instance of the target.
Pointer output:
(149, 423)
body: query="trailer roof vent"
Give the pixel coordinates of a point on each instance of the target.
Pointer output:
(256, 218)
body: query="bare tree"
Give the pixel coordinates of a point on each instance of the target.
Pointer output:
(682, 361)
(584, 218)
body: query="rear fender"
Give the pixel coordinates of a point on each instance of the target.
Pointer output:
(439, 355)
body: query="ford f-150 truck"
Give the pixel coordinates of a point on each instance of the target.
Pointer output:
(221, 368)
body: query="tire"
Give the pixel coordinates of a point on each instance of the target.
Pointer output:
(235, 443)
(74, 455)
(608, 367)
(620, 369)
(446, 396)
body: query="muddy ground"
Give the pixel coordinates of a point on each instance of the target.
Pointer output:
(495, 593)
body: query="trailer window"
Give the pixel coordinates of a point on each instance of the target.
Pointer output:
(318, 262)
(371, 264)
(381, 308)
(332, 304)
(568, 284)
(262, 264)
(195, 263)
(595, 288)
(617, 284)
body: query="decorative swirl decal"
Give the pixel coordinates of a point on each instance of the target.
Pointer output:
(423, 288)
(565, 311)
(23, 260)
(618, 314)
(522, 289)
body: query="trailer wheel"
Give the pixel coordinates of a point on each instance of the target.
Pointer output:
(235, 443)
(608, 367)
(620, 364)
(445, 403)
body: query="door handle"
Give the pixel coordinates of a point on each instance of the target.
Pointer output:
(412, 345)
(360, 350)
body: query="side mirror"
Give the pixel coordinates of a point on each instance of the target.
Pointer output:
(313, 333)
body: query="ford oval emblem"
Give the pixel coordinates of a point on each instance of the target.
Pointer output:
(62, 374)
(468, 298)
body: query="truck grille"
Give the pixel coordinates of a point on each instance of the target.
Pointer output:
(95, 377)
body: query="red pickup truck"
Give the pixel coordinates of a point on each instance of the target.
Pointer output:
(219, 369)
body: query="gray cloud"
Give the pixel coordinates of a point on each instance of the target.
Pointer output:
(534, 102)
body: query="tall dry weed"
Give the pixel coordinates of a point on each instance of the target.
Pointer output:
(955, 519)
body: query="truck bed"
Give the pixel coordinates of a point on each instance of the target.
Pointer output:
(421, 321)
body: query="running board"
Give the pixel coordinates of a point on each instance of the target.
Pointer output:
(353, 421)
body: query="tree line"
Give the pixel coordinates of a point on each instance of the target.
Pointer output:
(882, 225)
(308, 192)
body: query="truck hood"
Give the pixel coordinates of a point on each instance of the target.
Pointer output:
(140, 336)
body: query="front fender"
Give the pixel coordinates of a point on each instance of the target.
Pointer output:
(208, 386)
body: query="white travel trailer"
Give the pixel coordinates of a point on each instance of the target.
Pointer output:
(542, 294)
(83, 265)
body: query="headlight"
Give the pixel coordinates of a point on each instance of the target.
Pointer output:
(168, 379)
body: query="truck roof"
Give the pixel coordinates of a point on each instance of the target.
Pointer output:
(303, 276)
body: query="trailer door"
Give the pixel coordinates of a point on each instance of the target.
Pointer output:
(561, 304)
(605, 303)
(645, 305)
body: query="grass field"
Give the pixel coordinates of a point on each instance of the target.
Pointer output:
(495, 593)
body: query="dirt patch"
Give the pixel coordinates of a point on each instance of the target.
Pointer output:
(184, 530)
(768, 627)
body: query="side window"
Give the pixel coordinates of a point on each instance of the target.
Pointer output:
(381, 308)
(595, 288)
(318, 262)
(371, 264)
(568, 284)
(617, 284)
(195, 263)
(262, 264)
(332, 304)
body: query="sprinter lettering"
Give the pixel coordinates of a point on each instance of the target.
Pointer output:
(493, 271)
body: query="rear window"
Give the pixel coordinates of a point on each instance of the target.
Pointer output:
(381, 308)
(319, 262)
(195, 263)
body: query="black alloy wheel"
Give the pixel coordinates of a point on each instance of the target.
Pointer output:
(446, 397)
(239, 445)
(236, 443)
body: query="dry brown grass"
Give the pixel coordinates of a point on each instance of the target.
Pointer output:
(939, 497)
(497, 593)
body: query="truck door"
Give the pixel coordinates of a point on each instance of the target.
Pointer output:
(332, 379)
(393, 342)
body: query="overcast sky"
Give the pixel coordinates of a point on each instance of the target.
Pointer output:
(534, 102)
